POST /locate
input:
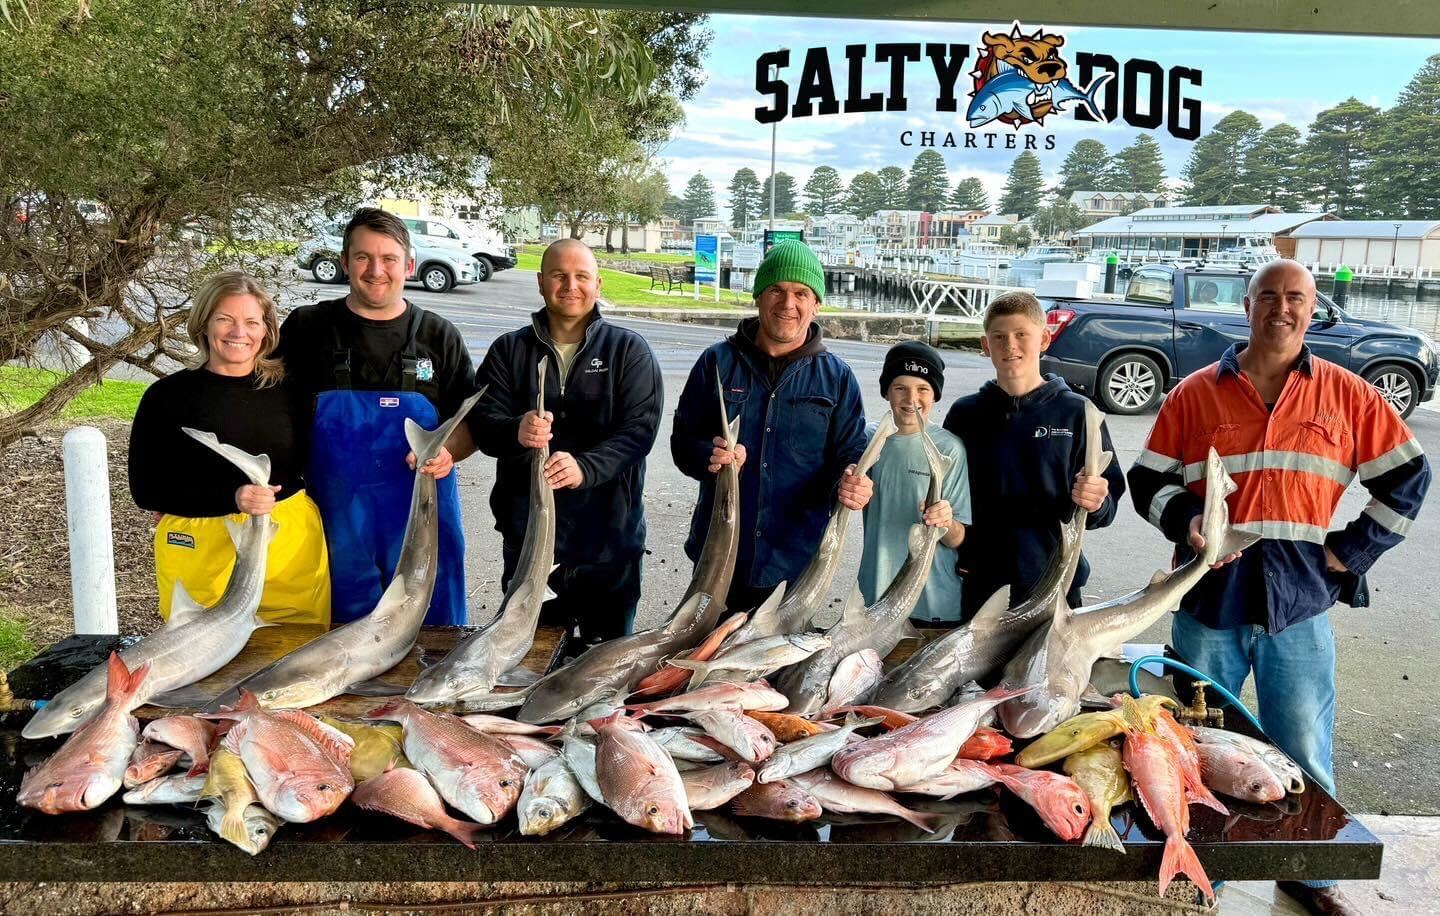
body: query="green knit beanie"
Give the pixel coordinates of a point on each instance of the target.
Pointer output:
(791, 261)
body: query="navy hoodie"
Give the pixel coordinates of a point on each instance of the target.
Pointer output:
(1023, 454)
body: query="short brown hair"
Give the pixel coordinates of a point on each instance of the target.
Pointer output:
(1017, 302)
(268, 370)
(376, 220)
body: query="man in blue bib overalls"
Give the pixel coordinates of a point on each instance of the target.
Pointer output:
(364, 363)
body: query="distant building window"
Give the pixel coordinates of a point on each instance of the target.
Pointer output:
(471, 213)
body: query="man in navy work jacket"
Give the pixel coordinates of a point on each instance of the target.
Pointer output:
(802, 427)
(603, 397)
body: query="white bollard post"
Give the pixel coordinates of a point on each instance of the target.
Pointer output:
(87, 518)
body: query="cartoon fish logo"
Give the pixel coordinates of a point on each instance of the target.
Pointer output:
(1022, 79)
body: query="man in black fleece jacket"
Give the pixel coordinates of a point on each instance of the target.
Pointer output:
(1024, 436)
(603, 398)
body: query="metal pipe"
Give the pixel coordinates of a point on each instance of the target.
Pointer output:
(92, 543)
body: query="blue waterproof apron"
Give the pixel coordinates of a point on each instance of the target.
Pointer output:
(358, 476)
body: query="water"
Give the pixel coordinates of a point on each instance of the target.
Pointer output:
(1422, 315)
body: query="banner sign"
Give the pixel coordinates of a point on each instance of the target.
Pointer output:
(707, 249)
(779, 235)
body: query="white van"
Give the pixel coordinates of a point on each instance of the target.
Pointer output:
(490, 253)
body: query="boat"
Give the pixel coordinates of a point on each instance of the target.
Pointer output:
(984, 256)
(1037, 256)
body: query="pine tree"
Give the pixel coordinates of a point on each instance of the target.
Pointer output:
(699, 199)
(824, 192)
(928, 184)
(1139, 167)
(1024, 186)
(784, 195)
(969, 195)
(744, 197)
(892, 187)
(865, 196)
(1337, 156)
(1404, 174)
(1087, 168)
(1272, 168)
(1214, 173)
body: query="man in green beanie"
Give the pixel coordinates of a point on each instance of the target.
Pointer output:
(802, 427)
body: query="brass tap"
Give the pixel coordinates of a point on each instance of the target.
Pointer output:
(1197, 713)
(8, 702)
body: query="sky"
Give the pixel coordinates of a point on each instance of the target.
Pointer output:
(1276, 77)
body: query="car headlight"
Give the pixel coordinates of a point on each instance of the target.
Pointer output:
(1430, 344)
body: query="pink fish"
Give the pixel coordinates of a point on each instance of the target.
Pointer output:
(90, 765)
(148, 761)
(1188, 756)
(835, 794)
(477, 773)
(1060, 802)
(300, 767)
(499, 725)
(637, 778)
(747, 737)
(1155, 773)
(748, 695)
(780, 800)
(670, 679)
(190, 734)
(1238, 773)
(408, 795)
(961, 776)
(919, 751)
(713, 786)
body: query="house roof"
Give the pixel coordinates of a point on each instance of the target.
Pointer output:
(1369, 229)
(997, 219)
(1079, 196)
(1217, 212)
(1264, 224)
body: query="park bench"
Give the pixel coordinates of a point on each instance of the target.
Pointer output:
(668, 277)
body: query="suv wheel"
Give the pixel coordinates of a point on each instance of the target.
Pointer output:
(1397, 386)
(326, 270)
(484, 270)
(1129, 384)
(436, 279)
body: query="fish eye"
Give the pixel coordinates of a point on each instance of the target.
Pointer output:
(1079, 809)
(793, 803)
(504, 783)
(653, 810)
(55, 785)
(75, 712)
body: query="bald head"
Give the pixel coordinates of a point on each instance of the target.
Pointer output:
(569, 282)
(565, 250)
(1268, 274)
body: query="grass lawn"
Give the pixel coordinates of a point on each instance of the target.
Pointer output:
(264, 249)
(644, 256)
(14, 647)
(620, 288)
(20, 387)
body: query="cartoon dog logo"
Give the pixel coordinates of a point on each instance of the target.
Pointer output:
(1021, 79)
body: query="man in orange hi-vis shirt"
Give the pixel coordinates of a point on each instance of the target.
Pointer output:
(1294, 431)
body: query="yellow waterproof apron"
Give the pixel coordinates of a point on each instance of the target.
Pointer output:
(199, 553)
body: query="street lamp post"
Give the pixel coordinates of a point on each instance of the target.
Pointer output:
(1395, 249)
(774, 125)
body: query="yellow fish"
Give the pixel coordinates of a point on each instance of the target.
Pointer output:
(1100, 774)
(228, 782)
(1083, 731)
(377, 747)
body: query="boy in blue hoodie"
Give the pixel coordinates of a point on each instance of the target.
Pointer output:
(1024, 436)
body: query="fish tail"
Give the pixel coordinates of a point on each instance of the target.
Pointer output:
(122, 686)
(1092, 98)
(232, 826)
(1180, 859)
(464, 831)
(1103, 836)
(256, 468)
(699, 671)
(925, 822)
(426, 444)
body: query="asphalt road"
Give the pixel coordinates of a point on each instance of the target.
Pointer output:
(1386, 753)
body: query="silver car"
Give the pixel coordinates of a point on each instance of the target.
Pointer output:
(436, 269)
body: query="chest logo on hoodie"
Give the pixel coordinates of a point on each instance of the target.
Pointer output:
(1057, 432)
(597, 365)
(424, 370)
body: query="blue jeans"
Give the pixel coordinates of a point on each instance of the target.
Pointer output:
(1294, 682)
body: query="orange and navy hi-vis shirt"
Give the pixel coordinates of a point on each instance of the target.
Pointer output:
(1291, 465)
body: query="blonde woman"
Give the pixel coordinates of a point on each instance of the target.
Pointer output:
(237, 391)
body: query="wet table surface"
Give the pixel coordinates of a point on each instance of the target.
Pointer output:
(985, 836)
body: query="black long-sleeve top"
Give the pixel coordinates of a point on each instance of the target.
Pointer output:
(174, 474)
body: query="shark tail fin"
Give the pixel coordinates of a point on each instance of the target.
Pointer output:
(1092, 97)
(731, 427)
(540, 398)
(256, 468)
(426, 444)
(699, 671)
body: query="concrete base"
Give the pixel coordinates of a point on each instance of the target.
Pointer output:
(1121, 899)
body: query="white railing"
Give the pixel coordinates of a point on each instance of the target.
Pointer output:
(1376, 271)
(953, 301)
